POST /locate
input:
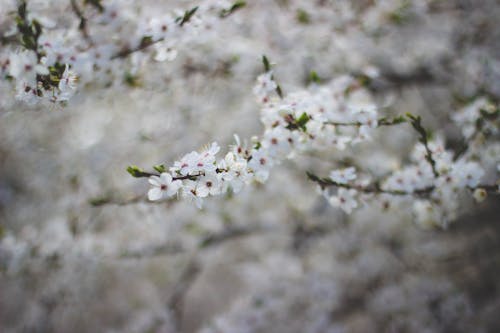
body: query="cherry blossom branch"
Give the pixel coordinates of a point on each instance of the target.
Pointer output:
(374, 188)
(137, 172)
(384, 121)
(144, 44)
(147, 41)
(294, 124)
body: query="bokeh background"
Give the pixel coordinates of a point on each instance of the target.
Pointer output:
(81, 249)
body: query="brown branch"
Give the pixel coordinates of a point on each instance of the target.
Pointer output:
(145, 43)
(83, 21)
(147, 40)
(384, 121)
(375, 188)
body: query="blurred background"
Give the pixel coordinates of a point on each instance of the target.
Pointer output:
(81, 250)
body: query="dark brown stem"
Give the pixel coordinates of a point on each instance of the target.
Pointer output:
(128, 51)
(375, 188)
(380, 122)
(83, 21)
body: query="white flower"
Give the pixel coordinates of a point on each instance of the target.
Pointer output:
(187, 165)
(190, 192)
(209, 184)
(26, 93)
(279, 141)
(236, 174)
(345, 199)
(343, 176)
(67, 84)
(340, 142)
(367, 115)
(163, 186)
(260, 164)
(265, 85)
(165, 52)
(467, 174)
(206, 159)
(23, 66)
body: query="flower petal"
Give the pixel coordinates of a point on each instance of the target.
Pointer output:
(155, 194)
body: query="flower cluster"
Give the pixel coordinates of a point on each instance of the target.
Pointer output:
(45, 58)
(336, 115)
(198, 175)
(436, 176)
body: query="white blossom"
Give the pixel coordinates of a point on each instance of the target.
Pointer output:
(163, 186)
(343, 176)
(344, 199)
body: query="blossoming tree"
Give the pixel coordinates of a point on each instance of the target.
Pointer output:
(327, 129)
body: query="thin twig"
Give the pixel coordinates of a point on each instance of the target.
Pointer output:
(374, 188)
(83, 21)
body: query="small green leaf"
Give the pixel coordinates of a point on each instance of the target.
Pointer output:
(146, 41)
(160, 168)
(303, 17)
(237, 5)
(187, 16)
(135, 171)
(302, 121)
(37, 28)
(21, 10)
(131, 80)
(314, 77)
(267, 65)
(279, 91)
(28, 42)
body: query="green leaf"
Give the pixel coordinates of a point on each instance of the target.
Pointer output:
(267, 65)
(146, 41)
(279, 91)
(237, 5)
(314, 77)
(28, 42)
(160, 168)
(37, 28)
(21, 10)
(187, 16)
(302, 121)
(131, 79)
(303, 17)
(135, 171)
